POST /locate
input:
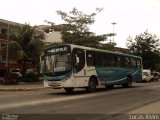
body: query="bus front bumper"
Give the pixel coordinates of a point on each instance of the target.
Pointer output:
(52, 84)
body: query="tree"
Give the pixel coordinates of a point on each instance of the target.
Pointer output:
(27, 44)
(76, 30)
(147, 46)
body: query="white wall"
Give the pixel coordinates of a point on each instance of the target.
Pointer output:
(53, 37)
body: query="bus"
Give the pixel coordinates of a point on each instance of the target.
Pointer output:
(71, 66)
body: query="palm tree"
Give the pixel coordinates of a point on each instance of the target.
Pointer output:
(27, 45)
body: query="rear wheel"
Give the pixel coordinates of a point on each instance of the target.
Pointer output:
(128, 83)
(69, 90)
(91, 85)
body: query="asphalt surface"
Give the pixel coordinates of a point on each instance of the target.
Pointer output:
(35, 99)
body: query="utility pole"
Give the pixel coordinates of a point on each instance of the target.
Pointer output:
(113, 30)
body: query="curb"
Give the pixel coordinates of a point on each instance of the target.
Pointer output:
(18, 89)
(21, 89)
(22, 86)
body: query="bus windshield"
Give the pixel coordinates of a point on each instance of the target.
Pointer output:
(57, 60)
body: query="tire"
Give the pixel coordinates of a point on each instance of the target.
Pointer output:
(128, 84)
(69, 90)
(91, 85)
(109, 86)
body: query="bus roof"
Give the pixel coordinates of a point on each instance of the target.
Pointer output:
(98, 50)
(116, 53)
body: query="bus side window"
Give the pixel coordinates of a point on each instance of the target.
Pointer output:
(126, 62)
(89, 57)
(118, 61)
(112, 61)
(100, 59)
(133, 63)
(105, 60)
(138, 63)
(108, 59)
(78, 59)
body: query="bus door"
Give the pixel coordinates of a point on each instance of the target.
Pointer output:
(78, 58)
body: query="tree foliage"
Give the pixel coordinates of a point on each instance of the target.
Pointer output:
(147, 46)
(27, 45)
(76, 29)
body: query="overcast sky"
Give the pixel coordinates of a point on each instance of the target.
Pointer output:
(132, 16)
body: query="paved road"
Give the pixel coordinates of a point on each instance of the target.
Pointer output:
(47, 101)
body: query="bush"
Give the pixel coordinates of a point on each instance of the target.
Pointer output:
(30, 77)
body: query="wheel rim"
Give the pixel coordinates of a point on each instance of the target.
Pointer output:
(92, 84)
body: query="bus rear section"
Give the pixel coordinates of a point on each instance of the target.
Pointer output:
(113, 68)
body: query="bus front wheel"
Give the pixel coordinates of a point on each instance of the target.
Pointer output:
(91, 85)
(69, 90)
(128, 83)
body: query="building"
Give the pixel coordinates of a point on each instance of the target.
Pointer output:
(6, 28)
(50, 37)
(8, 59)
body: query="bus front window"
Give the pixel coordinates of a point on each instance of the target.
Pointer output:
(62, 63)
(57, 63)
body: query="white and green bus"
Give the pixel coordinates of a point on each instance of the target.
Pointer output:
(71, 66)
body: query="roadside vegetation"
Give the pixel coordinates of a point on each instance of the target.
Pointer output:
(147, 46)
(27, 45)
(76, 31)
(76, 28)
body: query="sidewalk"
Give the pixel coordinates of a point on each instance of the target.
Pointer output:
(22, 86)
(152, 108)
